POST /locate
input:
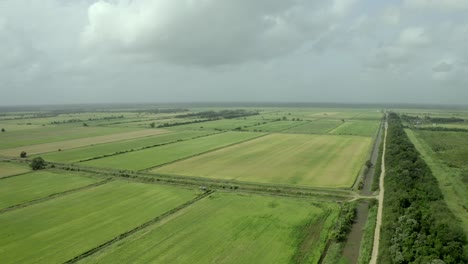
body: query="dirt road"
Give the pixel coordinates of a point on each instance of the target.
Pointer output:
(375, 249)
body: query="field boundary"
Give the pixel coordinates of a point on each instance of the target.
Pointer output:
(14, 175)
(52, 196)
(138, 228)
(205, 152)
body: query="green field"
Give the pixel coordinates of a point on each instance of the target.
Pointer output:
(276, 126)
(357, 128)
(60, 229)
(319, 126)
(144, 159)
(312, 160)
(223, 124)
(34, 185)
(8, 169)
(231, 228)
(446, 154)
(79, 154)
(51, 134)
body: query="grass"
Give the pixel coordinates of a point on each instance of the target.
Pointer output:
(48, 134)
(276, 126)
(80, 142)
(8, 169)
(60, 229)
(227, 228)
(334, 254)
(311, 160)
(320, 126)
(367, 242)
(452, 181)
(143, 159)
(84, 153)
(34, 185)
(357, 128)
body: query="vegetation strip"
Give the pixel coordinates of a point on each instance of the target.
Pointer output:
(53, 196)
(418, 227)
(136, 229)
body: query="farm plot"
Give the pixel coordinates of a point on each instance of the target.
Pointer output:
(276, 126)
(223, 124)
(311, 160)
(52, 134)
(89, 152)
(8, 169)
(34, 185)
(60, 229)
(231, 228)
(147, 158)
(80, 142)
(320, 126)
(357, 128)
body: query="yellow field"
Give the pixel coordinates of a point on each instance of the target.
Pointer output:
(311, 160)
(81, 142)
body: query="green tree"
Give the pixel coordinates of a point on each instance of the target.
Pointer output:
(38, 163)
(23, 154)
(3, 130)
(152, 125)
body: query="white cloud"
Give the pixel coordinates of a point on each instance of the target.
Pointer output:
(391, 16)
(209, 32)
(414, 37)
(437, 4)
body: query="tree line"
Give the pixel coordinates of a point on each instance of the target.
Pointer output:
(417, 225)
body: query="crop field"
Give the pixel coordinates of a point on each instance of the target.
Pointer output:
(446, 154)
(276, 126)
(319, 126)
(52, 134)
(231, 228)
(89, 152)
(8, 169)
(80, 142)
(147, 158)
(60, 229)
(311, 160)
(30, 186)
(357, 128)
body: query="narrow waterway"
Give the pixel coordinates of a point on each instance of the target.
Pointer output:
(353, 242)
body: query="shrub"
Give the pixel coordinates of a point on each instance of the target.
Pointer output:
(38, 163)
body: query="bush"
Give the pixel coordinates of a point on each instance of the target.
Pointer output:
(23, 154)
(38, 163)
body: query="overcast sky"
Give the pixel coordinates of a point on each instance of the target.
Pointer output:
(85, 51)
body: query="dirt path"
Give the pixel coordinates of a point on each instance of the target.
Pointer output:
(375, 249)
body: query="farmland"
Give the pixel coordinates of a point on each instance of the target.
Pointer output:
(206, 184)
(310, 160)
(38, 233)
(30, 186)
(230, 228)
(144, 159)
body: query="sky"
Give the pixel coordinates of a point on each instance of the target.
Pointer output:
(351, 51)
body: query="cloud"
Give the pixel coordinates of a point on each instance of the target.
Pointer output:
(414, 37)
(442, 66)
(209, 32)
(437, 4)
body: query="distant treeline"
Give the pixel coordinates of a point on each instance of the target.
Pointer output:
(417, 226)
(220, 114)
(184, 123)
(161, 110)
(428, 119)
(444, 129)
(77, 120)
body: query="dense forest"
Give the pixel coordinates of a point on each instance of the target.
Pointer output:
(417, 226)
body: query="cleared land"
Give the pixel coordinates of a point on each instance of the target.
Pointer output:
(62, 228)
(312, 160)
(76, 143)
(320, 126)
(84, 153)
(34, 185)
(231, 228)
(8, 169)
(52, 134)
(357, 128)
(446, 153)
(144, 159)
